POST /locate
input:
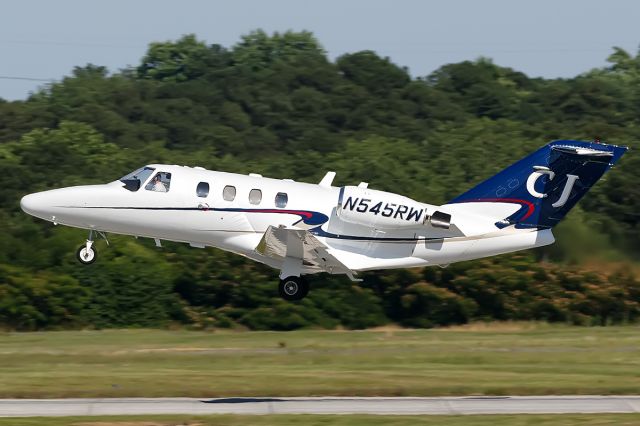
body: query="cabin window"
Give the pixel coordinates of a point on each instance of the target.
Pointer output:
(229, 193)
(255, 196)
(202, 190)
(161, 182)
(282, 199)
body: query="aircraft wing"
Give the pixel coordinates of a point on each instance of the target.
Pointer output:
(278, 243)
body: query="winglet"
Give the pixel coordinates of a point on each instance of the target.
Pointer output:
(327, 180)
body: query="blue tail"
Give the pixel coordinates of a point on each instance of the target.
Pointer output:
(547, 183)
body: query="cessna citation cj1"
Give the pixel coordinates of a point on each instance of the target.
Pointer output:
(301, 228)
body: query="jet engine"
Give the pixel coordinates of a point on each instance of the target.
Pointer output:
(384, 210)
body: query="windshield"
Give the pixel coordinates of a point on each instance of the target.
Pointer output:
(134, 180)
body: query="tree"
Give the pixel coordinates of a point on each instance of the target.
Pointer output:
(183, 60)
(378, 75)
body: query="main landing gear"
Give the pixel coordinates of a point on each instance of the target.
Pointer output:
(87, 253)
(293, 288)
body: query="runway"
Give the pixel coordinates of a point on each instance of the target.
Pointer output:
(322, 405)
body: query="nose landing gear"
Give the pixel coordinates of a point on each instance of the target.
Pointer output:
(87, 253)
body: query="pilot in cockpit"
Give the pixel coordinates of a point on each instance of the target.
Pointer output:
(157, 184)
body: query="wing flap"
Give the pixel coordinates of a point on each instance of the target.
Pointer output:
(278, 243)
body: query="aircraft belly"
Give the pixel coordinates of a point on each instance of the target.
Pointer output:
(436, 252)
(361, 262)
(468, 248)
(509, 242)
(383, 255)
(372, 249)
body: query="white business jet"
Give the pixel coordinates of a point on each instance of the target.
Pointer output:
(301, 228)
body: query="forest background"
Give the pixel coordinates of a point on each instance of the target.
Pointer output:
(275, 104)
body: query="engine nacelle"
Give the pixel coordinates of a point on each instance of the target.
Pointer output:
(379, 209)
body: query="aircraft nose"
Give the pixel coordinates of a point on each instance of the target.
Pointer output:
(29, 203)
(34, 204)
(64, 205)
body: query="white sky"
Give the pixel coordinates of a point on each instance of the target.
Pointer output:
(550, 38)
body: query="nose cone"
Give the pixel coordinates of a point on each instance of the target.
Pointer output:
(66, 205)
(33, 204)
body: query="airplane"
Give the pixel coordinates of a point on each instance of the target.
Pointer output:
(302, 228)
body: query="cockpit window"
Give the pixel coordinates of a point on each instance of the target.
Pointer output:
(134, 180)
(161, 182)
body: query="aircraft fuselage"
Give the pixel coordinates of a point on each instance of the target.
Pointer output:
(301, 228)
(238, 225)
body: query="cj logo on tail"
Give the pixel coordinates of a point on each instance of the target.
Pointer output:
(541, 171)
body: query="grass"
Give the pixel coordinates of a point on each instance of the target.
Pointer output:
(349, 420)
(521, 359)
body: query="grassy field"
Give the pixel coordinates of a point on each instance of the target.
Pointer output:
(503, 359)
(310, 420)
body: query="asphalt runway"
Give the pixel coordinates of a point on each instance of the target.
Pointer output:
(324, 405)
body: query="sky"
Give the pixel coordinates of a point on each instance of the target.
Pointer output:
(44, 40)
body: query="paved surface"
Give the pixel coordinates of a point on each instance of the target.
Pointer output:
(328, 405)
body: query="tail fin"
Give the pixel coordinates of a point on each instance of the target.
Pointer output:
(547, 183)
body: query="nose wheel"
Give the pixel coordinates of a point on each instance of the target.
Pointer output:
(87, 254)
(293, 288)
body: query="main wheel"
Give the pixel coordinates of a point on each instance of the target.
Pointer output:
(86, 257)
(293, 288)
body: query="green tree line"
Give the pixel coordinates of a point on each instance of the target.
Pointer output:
(275, 104)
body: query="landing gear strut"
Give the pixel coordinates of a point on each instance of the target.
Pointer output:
(293, 288)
